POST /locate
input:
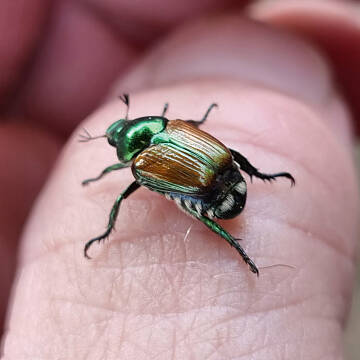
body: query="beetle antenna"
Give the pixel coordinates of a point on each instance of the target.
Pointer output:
(87, 136)
(126, 100)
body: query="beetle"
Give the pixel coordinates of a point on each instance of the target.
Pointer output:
(185, 164)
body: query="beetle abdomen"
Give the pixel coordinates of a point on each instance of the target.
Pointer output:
(227, 206)
(232, 203)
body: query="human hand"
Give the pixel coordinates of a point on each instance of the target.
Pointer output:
(155, 289)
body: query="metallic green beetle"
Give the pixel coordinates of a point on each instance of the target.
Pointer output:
(183, 163)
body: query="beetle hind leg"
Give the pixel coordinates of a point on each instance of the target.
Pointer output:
(217, 229)
(253, 171)
(112, 217)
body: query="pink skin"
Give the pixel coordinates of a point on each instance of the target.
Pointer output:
(163, 286)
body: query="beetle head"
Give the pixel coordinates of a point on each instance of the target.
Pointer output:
(113, 132)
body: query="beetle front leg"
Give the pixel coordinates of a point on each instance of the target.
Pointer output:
(199, 122)
(113, 215)
(252, 171)
(105, 171)
(216, 228)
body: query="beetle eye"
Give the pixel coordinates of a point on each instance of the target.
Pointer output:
(111, 141)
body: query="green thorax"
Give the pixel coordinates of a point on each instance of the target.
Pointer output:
(130, 137)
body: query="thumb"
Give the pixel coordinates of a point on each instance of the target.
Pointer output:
(157, 290)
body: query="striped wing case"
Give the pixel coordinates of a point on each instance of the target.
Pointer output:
(187, 162)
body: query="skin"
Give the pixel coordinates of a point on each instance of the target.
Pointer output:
(163, 286)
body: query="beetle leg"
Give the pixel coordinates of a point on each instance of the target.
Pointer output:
(113, 215)
(252, 171)
(166, 107)
(216, 228)
(199, 122)
(105, 171)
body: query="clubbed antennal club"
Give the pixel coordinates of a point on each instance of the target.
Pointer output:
(126, 100)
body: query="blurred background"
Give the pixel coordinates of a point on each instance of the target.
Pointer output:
(352, 335)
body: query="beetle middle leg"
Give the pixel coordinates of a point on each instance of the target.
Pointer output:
(105, 171)
(113, 215)
(216, 228)
(199, 122)
(253, 171)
